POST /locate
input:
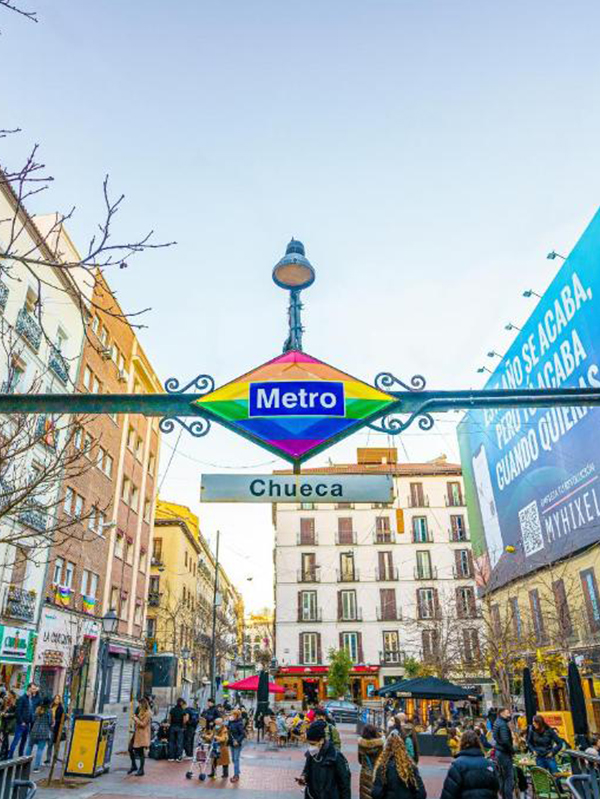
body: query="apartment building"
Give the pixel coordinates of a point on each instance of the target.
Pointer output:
(384, 582)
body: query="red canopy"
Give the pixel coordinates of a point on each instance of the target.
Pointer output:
(251, 684)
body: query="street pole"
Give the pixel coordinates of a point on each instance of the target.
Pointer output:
(213, 655)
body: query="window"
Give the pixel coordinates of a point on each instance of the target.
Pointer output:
(119, 544)
(307, 532)
(15, 376)
(454, 498)
(95, 324)
(104, 336)
(139, 448)
(129, 552)
(69, 572)
(349, 642)
(465, 603)
(417, 498)
(154, 585)
(88, 378)
(307, 506)
(385, 565)
(107, 466)
(308, 606)
(424, 565)
(97, 386)
(69, 497)
(347, 566)
(124, 605)
(427, 603)
(429, 642)
(100, 455)
(343, 505)
(458, 530)
(496, 621)
(125, 490)
(157, 550)
(150, 627)
(131, 436)
(78, 439)
(563, 615)
(347, 606)
(516, 618)
(463, 563)
(391, 641)
(58, 570)
(115, 599)
(309, 567)
(92, 520)
(151, 463)
(135, 498)
(309, 648)
(383, 533)
(89, 583)
(471, 651)
(143, 561)
(185, 560)
(88, 440)
(590, 595)
(536, 615)
(345, 532)
(147, 507)
(137, 615)
(387, 597)
(78, 511)
(420, 531)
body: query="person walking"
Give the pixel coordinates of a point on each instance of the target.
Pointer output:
(210, 713)
(40, 733)
(370, 746)
(505, 750)
(471, 775)
(326, 774)
(8, 722)
(409, 736)
(24, 712)
(189, 732)
(177, 722)
(237, 733)
(140, 739)
(218, 737)
(332, 731)
(396, 775)
(544, 742)
(57, 711)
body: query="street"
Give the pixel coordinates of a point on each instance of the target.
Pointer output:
(265, 772)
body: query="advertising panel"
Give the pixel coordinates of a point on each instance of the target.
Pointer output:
(531, 475)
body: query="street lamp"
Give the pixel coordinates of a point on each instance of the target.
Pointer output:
(531, 293)
(494, 354)
(510, 326)
(552, 255)
(294, 272)
(110, 622)
(483, 369)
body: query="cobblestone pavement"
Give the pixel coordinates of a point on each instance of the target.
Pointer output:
(266, 772)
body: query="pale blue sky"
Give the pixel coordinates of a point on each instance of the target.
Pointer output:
(428, 153)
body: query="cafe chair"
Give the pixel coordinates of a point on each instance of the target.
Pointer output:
(544, 784)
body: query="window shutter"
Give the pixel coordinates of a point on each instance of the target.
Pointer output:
(340, 607)
(319, 649)
(471, 565)
(425, 642)
(299, 605)
(593, 622)
(459, 604)
(341, 641)
(472, 603)
(436, 604)
(476, 647)
(381, 564)
(300, 649)
(360, 648)
(420, 613)
(457, 562)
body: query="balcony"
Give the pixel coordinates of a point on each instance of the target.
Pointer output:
(345, 538)
(309, 576)
(458, 536)
(19, 604)
(348, 576)
(389, 613)
(27, 327)
(462, 573)
(391, 657)
(417, 502)
(382, 537)
(153, 599)
(356, 616)
(157, 561)
(469, 613)
(386, 575)
(307, 539)
(58, 365)
(3, 296)
(310, 618)
(422, 537)
(455, 502)
(45, 430)
(34, 517)
(426, 574)
(310, 662)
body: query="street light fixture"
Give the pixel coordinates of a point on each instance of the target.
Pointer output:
(531, 293)
(483, 369)
(110, 622)
(294, 272)
(510, 326)
(552, 255)
(494, 354)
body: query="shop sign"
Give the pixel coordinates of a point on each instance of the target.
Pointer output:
(296, 488)
(15, 642)
(59, 633)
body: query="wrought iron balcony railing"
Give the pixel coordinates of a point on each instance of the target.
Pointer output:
(153, 599)
(307, 539)
(382, 537)
(417, 502)
(462, 573)
(458, 536)
(19, 603)
(351, 615)
(3, 295)
(391, 656)
(455, 502)
(386, 575)
(59, 365)
(422, 537)
(310, 616)
(27, 327)
(35, 517)
(348, 576)
(309, 576)
(426, 574)
(389, 613)
(345, 538)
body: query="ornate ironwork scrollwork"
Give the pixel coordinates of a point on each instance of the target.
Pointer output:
(386, 380)
(393, 425)
(203, 384)
(198, 428)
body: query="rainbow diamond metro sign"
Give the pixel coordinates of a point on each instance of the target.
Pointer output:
(295, 405)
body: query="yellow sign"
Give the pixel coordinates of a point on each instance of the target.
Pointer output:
(562, 721)
(82, 752)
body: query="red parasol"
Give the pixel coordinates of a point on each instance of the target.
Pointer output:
(251, 684)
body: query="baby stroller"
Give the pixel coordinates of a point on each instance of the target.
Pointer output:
(204, 755)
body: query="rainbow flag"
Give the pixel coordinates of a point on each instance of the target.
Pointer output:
(88, 603)
(62, 595)
(295, 405)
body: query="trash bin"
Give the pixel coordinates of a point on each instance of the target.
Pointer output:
(90, 749)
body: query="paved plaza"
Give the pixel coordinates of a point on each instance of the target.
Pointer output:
(266, 773)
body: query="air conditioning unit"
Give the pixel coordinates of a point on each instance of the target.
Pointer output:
(106, 353)
(122, 376)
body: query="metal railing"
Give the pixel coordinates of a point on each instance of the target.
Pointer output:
(422, 538)
(348, 575)
(19, 603)
(389, 613)
(303, 616)
(462, 574)
(382, 537)
(307, 539)
(3, 295)
(35, 517)
(386, 575)
(425, 574)
(153, 599)
(417, 502)
(311, 576)
(584, 782)
(458, 536)
(391, 656)
(15, 782)
(356, 616)
(345, 538)
(455, 502)
(59, 365)
(27, 327)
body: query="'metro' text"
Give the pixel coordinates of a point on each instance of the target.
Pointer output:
(297, 398)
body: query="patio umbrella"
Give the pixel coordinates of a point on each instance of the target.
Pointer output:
(251, 684)
(262, 692)
(529, 696)
(577, 702)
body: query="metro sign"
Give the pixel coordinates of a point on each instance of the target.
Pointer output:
(295, 405)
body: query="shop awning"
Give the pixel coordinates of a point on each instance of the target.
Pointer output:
(251, 684)
(426, 688)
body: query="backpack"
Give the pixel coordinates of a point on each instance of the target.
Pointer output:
(410, 746)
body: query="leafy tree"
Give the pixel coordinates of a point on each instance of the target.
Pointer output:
(412, 668)
(340, 665)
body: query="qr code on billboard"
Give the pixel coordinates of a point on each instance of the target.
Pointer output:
(531, 528)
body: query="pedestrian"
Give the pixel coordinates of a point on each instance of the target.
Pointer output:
(370, 746)
(471, 775)
(594, 747)
(332, 731)
(57, 711)
(453, 741)
(326, 774)
(544, 742)
(409, 736)
(237, 734)
(210, 713)
(396, 776)
(40, 733)
(140, 739)
(218, 737)
(177, 722)
(8, 720)
(24, 711)
(189, 732)
(503, 742)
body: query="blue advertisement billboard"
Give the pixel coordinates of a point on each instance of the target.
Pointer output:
(531, 475)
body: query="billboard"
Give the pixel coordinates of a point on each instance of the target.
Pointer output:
(531, 475)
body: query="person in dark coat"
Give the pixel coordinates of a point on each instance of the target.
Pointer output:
(370, 746)
(25, 709)
(396, 775)
(471, 775)
(210, 713)
(505, 750)
(237, 733)
(326, 774)
(544, 742)
(58, 711)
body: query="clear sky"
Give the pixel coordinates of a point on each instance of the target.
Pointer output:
(428, 153)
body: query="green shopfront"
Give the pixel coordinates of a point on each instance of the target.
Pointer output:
(17, 646)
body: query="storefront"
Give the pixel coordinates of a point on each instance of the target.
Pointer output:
(65, 656)
(16, 657)
(121, 675)
(307, 685)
